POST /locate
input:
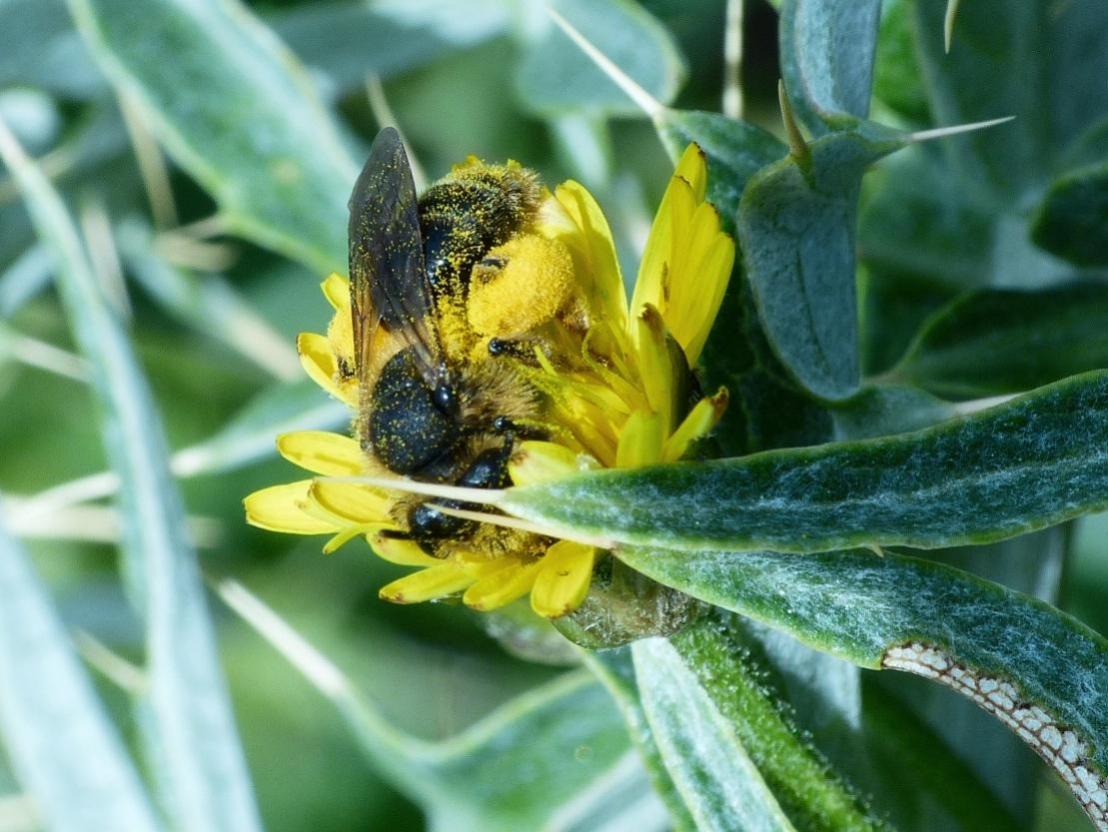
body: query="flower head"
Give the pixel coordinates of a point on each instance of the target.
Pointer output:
(613, 381)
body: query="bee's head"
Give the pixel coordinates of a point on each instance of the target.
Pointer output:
(415, 415)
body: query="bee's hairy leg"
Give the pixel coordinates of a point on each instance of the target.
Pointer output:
(520, 350)
(512, 430)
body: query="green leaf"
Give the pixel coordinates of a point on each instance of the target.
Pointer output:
(992, 71)
(887, 410)
(1076, 62)
(350, 40)
(876, 743)
(897, 82)
(209, 304)
(796, 231)
(702, 752)
(555, 76)
(248, 436)
(198, 754)
(28, 275)
(919, 219)
(1020, 659)
(894, 307)
(995, 342)
(1072, 220)
(827, 52)
(945, 792)
(38, 48)
(550, 758)
(264, 147)
(1024, 465)
(615, 669)
(709, 663)
(1040, 62)
(533, 763)
(86, 781)
(1031, 564)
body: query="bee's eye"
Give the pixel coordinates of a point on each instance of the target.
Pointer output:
(445, 399)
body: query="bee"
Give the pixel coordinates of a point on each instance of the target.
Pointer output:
(435, 401)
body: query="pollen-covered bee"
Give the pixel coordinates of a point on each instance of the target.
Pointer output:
(440, 286)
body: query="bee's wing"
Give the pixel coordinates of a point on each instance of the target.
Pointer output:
(388, 281)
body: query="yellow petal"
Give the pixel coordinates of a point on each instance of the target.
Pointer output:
(589, 240)
(319, 363)
(641, 441)
(283, 508)
(657, 368)
(693, 168)
(336, 289)
(399, 551)
(687, 262)
(563, 581)
(700, 421)
(350, 503)
(655, 258)
(435, 582)
(535, 462)
(322, 452)
(685, 191)
(699, 281)
(343, 537)
(479, 564)
(340, 335)
(512, 581)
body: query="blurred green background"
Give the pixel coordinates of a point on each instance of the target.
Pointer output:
(450, 72)
(214, 320)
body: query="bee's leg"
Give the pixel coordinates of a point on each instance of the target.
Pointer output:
(488, 470)
(427, 525)
(519, 349)
(512, 430)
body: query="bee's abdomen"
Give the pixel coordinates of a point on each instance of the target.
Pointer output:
(462, 218)
(406, 431)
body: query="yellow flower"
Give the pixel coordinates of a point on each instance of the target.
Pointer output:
(625, 404)
(615, 381)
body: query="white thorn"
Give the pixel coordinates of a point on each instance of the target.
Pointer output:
(943, 132)
(509, 522)
(645, 101)
(977, 405)
(151, 163)
(313, 664)
(43, 355)
(486, 496)
(112, 666)
(732, 60)
(948, 23)
(382, 112)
